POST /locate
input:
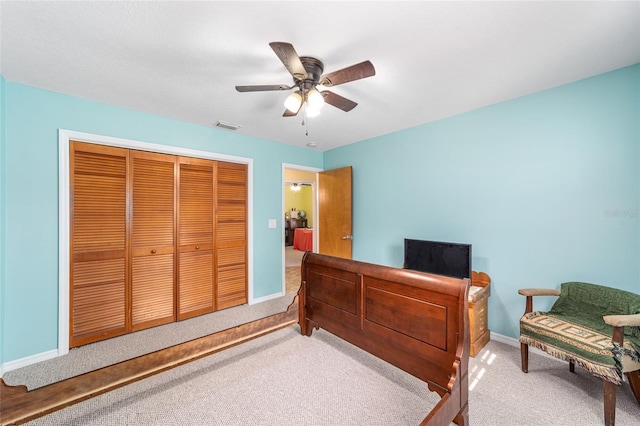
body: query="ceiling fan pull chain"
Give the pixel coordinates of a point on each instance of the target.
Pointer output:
(305, 120)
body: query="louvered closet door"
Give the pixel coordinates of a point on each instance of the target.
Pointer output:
(231, 235)
(152, 239)
(99, 247)
(195, 237)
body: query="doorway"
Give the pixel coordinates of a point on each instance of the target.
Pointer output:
(299, 207)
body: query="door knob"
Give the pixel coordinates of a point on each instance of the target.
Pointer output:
(348, 237)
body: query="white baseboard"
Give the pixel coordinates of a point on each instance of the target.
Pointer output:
(516, 344)
(266, 298)
(29, 360)
(505, 339)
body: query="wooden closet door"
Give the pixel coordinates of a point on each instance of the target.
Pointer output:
(195, 237)
(152, 239)
(99, 242)
(231, 235)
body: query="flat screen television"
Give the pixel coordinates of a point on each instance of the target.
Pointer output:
(437, 257)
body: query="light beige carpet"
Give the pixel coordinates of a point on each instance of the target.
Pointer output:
(292, 257)
(292, 279)
(283, 379)
(293, 261)
(288, 379)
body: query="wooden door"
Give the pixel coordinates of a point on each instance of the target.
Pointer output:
(195, 237)
(335, 231)
(152, 239)
(231, 235)
(99, 242)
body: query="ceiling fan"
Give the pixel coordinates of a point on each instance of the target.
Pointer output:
(307, 75)
(297, 186)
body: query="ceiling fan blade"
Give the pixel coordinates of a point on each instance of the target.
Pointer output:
(338, 101)
(290, 59)
(354, 72)
(263, 88)
(288, 113)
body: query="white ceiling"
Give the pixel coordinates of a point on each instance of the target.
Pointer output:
(433, 59)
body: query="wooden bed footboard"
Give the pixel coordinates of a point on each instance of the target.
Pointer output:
(415, 321)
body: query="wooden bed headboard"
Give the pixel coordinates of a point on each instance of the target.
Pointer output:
(415, 321)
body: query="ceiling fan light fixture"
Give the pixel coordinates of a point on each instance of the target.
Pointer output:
(313, 103)
(293, 102)
(310, 111)
(315, 99)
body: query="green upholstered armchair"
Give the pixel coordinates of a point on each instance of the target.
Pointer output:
(589, 325)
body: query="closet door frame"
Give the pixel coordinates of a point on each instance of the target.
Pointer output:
(64, 225)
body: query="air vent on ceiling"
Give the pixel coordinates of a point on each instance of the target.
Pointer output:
(228, 126)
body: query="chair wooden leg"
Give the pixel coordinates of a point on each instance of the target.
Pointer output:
(609, 403)
(524, 357)
(572, 366)
(634, 382)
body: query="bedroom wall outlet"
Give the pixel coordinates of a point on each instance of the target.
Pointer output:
(272, 223)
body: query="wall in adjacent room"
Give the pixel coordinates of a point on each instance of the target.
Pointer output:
(546, 187)
(303, 199)
(300, 200)
(30, 199)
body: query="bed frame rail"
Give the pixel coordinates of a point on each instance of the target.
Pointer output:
(18, 405)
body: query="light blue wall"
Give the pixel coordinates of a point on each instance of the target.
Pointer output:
(30, 193)
(545, 187)
(2, 214)
(638, 130)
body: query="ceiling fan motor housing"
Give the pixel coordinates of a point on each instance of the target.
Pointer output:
(314, 68)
